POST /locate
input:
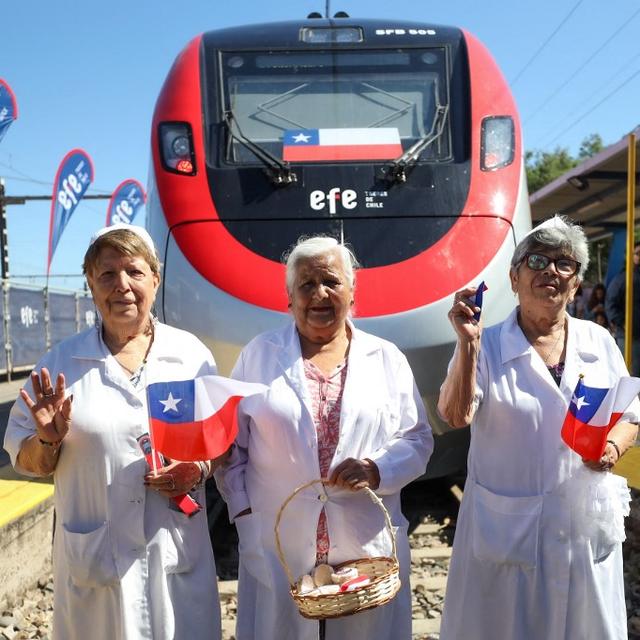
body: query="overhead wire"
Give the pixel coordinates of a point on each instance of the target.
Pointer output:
(588, 101)
(584, 115)
(562, 85)
(545, 43)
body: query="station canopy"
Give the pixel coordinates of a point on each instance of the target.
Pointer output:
(594, 193)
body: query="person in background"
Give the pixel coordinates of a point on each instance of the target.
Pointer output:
(576, 307)
(615, 310)
(596, 301)
(537, 552)
(342, 405)
(127, 563)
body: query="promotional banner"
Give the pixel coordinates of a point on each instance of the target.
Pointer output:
(8, 107)
(74, 176)
(125, 202)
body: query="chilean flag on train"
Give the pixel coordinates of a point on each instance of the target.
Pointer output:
(73, 178)
(125, 202)
(308, 145)
(196, 419)
(8, 107)
(593, 412)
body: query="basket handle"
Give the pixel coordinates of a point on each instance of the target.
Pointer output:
(323, 481)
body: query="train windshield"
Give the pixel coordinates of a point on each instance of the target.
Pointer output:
(318, 106)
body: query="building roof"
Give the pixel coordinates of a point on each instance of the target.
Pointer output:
(593, 193)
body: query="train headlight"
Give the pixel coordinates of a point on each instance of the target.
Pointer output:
(497, 144)
(176, 147)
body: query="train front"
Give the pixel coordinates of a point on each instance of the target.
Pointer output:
(400, 139)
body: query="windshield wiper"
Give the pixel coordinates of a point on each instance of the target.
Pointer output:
(279, 172)
(396, 171)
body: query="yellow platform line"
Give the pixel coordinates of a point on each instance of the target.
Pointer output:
(629, 467)
(18, 497)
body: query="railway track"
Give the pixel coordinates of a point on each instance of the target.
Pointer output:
(431, 510)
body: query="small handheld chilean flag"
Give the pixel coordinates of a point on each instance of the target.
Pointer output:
(593, 412)
(196, 419)
(309, 145)
(482, 287)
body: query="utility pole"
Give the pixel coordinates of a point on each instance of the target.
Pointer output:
(4, 238)
(4, 244)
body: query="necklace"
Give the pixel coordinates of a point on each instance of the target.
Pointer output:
(553, 348)
(136, 374)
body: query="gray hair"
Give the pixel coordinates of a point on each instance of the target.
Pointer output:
(313, 247)
(556, 233)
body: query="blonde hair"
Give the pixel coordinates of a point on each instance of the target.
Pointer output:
(125, 242)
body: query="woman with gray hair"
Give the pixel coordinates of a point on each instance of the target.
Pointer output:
(527, 564)
(341, 405)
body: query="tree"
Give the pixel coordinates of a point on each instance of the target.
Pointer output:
(543, 167)
(590, 146)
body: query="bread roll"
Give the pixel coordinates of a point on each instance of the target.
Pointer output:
(322, 575)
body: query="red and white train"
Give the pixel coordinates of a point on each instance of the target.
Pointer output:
(402, 139)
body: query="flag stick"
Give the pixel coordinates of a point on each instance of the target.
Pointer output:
(153, 445)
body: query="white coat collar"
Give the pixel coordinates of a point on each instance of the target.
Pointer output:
(514, 344)
(92, 347)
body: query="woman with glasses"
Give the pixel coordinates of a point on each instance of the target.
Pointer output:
(528, 562)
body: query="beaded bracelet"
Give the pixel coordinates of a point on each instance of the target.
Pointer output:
(615, 446)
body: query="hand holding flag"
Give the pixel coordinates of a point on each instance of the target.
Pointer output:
(196, 419)
(593, 412)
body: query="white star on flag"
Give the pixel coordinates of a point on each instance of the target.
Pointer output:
(579, 402)
(301, 137)
(171, 403)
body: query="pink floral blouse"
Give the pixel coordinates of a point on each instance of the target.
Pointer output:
(326, 401)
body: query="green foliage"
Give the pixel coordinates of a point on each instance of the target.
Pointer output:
(590, 146)
(543, 167)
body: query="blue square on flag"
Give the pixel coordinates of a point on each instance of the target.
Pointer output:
(586, 401)
(300, 137)
(172, 401)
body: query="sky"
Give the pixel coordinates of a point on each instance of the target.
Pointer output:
(87, 74)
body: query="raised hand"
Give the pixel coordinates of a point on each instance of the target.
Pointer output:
(461, 315)
(50, 409)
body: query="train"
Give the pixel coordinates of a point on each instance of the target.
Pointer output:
(399, 138)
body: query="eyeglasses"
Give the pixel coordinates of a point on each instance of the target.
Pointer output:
(564, 266)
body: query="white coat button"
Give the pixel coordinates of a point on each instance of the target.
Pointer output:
(323, 497)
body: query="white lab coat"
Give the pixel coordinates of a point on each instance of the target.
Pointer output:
(126, 566)
(524, 565)
(382, 418)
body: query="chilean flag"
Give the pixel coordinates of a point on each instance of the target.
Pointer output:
(196, 419)
(308, 145)
(593, 412)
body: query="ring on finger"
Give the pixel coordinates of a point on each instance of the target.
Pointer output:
(48, 393)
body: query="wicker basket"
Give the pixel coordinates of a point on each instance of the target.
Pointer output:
(383, 571)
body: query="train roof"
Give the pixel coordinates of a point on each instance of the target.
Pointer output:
(380, 33)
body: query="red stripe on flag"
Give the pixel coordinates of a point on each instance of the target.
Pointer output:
(341, 152)
(199, 440)
(587, 440)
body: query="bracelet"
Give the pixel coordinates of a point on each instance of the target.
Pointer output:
(615, 446)
(54, 446)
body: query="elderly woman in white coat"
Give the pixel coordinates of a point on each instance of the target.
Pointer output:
(341, 404)
(127, 564)
(537, 552)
